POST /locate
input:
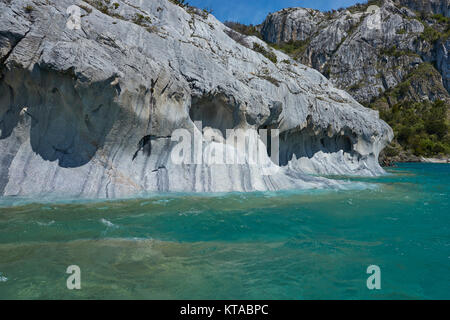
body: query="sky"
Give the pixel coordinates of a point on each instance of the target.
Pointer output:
(255, 11)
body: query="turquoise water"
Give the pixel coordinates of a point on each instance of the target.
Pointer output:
(286, 245)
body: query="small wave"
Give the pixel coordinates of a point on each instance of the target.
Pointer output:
(190, 212)
(162, 201)
(45, 224)
(391, 218)
(138, 239)
(3, 278)
(108, 223)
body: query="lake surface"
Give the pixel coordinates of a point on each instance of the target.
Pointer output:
(283, 245)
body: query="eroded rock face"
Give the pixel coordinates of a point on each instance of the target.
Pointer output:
(443, 61)
(291, 23)
(90, 112)
(365, 53)
(433, 6)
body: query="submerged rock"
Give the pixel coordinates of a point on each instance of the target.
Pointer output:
(89, 109)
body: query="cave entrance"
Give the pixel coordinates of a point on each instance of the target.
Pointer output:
(306, 143)
(214, 111)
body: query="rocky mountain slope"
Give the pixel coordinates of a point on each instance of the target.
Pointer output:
(387, 57)
(92, 110)
(431, 6)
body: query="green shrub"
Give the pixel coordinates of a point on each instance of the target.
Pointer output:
(441, 19)
(28, 8)
(181, 3)
(207, 11)
(362, 7)
(430, 35)
(394, 52)
(422, 128)
(391, 150)
(268, 54)
(356, 86)
(293, 48)
(141, 20)
(99, 5)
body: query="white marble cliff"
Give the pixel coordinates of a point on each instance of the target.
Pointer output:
(90, 111)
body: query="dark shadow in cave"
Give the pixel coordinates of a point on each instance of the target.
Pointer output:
(69, 121)
(215, 111)
(307, 142)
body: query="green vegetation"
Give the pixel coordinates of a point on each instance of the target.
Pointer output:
(141, 20)
(207, 11)
(28, 8)
(394, 52)
(239, 32)
(422, 74)
(362, 7)
(236, 36)
(441, 19)
(181, 3)
(356, 86)
(99, 5)
(191, 9)
(440, 30)
(430, 34)
(327, 70)
(295, 49)
(421, 127)
(268, 54)
(248, 30)
(392, 150)
(104, 7)
(424, 71)
(271, 79)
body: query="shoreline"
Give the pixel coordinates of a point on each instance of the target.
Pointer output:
(435, 160)
(386, 163)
